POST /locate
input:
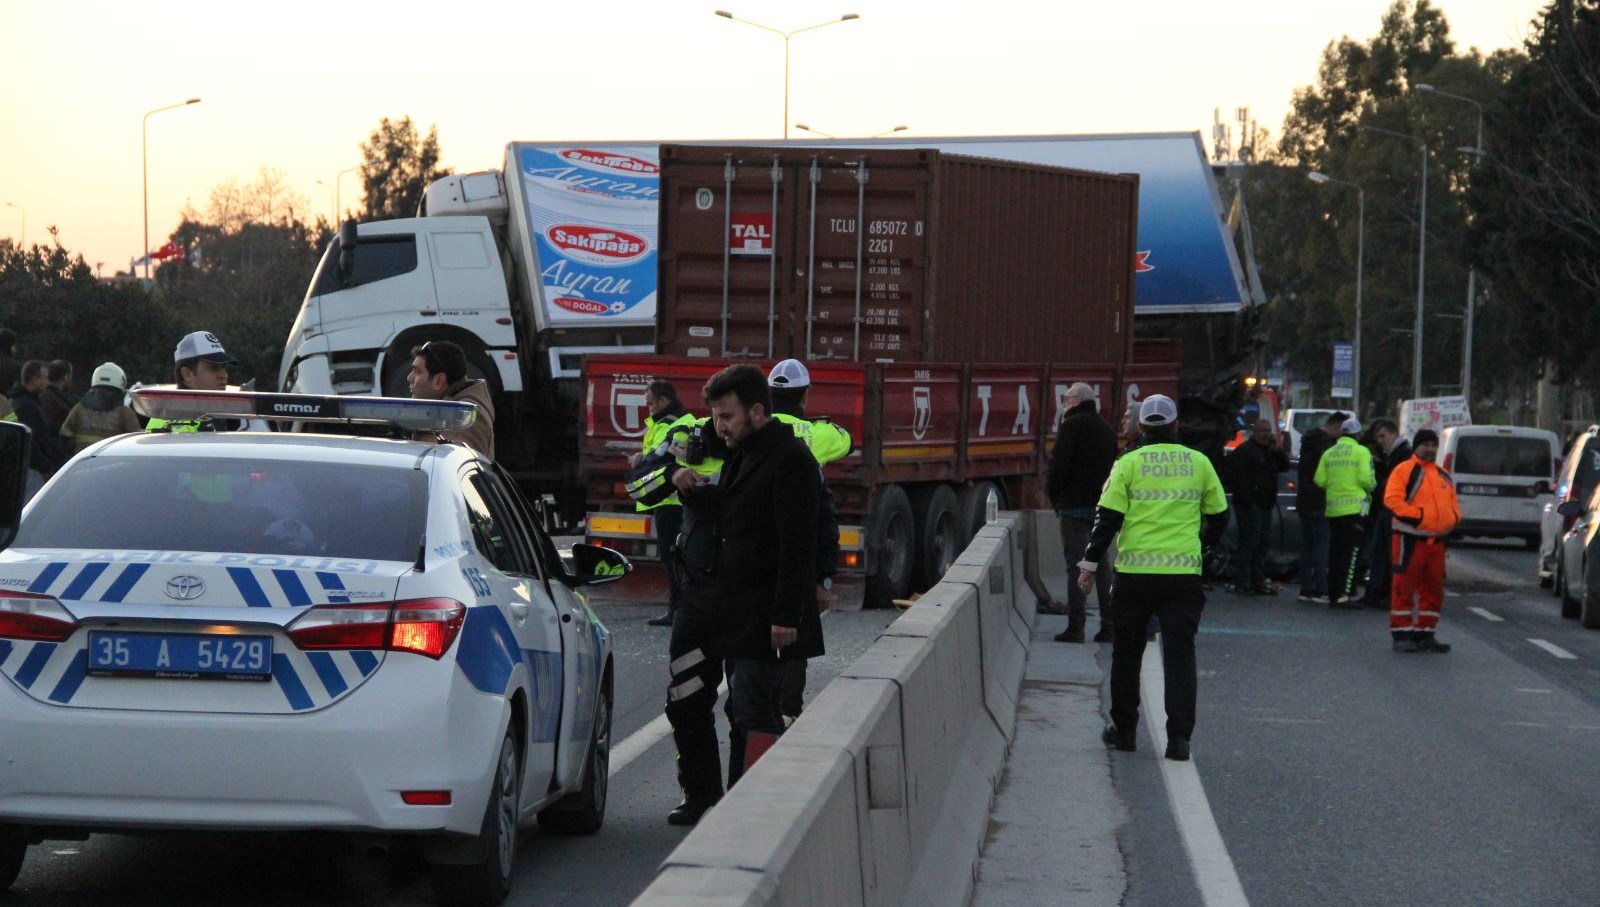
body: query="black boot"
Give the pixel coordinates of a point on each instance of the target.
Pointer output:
(1073, 632)
(1426, 643)
(690, 810)
(664, 619)
(1405, 641)
(1112, 736)
(1105, 633)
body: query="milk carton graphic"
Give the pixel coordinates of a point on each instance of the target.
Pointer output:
(592, 213)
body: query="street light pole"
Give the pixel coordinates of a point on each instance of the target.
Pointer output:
(1361, 246)
(786, 36)
(144, 167)
(338, 210)
(876, 135)
(334, 195)
(1422, 260)
(22, 242)
(1472, 269)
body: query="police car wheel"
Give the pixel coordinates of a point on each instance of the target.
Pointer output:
(584, 811)
(486, 883)
(13, 847)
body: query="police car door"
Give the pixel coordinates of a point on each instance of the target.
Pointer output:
(515, 584)
(580, 637)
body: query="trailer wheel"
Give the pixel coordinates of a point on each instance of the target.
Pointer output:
(892, 537)
(939, 540)
(980, 501)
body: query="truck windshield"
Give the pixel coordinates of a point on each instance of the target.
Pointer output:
(216, 504)
(373, 259)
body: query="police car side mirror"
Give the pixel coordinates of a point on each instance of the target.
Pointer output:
(1570, 508)
(593, 565)
(15, 444)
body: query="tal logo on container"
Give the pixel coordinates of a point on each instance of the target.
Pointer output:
(597, 245)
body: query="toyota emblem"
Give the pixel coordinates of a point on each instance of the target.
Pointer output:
(185, 588)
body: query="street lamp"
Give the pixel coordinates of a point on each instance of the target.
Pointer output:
(1422, 259)
(1472, 268)
(144, 166)
(786, 36)
(338, 181)
(1361, 245)
(23, 242)
(333, 195)
(875, 135)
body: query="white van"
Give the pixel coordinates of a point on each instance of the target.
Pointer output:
(1503, 475)
(1297, 422)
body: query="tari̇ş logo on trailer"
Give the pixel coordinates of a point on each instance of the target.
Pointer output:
(597, 245)
(606, 160)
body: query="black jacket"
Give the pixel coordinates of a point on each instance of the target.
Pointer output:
(1081, 459)
(1252, 473)
(767, 565)
(45, 449)
(1385, 464)
(1308, 496)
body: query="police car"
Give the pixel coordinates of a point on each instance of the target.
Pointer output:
(282, 631)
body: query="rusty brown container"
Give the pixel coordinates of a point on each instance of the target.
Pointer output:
(892, 255)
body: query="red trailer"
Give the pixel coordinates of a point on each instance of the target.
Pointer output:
(942, 305)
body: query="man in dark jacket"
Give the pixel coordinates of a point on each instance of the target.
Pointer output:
(10, 368)
(1253, 469)
(46, 454)
(1311, 502)
(766, 576)
(1085, 449)
(1392, 451)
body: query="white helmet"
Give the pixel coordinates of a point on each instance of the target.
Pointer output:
(109, 373)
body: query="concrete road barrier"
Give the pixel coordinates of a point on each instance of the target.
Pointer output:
(879, 795)
(1047, 566)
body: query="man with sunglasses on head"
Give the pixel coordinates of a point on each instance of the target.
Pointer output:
(439, 372)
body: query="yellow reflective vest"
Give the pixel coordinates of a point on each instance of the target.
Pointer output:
(1345, 472)
(1163, 491)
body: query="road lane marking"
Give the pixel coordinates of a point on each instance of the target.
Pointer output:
(1487, 614)
(1552, 648)
(637, 742)
(1290, 720)
(1208, 855)
(1524, 724)
(1531, 690)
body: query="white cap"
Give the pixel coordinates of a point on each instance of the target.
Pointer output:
(109, 373)
(789, 373)
(1158, 409)
(201, 345)
(1350, 426)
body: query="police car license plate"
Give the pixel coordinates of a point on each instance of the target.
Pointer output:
(180, 656)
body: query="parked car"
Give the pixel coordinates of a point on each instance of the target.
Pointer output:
(1283, 536)
(1503, 476)
(286, 632)
(1580, 474)
(1577, 578)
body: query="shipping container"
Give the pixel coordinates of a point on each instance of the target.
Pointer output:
(892, 255)
(942, 304)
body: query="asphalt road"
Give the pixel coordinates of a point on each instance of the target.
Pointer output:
(610, 868)
(1339, 772)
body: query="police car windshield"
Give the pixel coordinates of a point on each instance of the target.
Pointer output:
(274, 507)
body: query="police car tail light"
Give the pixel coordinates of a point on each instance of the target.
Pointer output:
(39, 617)
(342, 627)
(426, 626)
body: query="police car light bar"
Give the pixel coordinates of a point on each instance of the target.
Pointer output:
(408, 414)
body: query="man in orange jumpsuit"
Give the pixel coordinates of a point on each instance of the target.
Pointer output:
(1423, 500)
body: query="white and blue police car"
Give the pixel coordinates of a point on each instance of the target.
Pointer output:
(278, 631)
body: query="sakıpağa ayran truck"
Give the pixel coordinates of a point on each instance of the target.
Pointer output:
(526, 268)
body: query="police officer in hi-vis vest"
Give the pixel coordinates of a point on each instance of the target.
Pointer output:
(1154, 504)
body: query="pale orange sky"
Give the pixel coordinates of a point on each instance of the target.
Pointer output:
(297, 85)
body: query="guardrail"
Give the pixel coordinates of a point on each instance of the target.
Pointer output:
(879, 795)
